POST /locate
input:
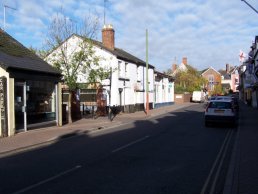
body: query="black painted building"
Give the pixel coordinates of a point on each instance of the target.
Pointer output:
(29, 89)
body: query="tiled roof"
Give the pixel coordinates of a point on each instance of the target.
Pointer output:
(163, 75)
(225, 74)
(121, 54)
(202, 71)
(210, 68)
(13, 55)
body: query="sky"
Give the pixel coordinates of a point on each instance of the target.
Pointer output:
(210, 33)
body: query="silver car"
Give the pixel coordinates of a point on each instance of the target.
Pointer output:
(220, 111)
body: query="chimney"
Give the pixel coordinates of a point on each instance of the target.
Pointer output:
(174, 67)
(227, 68)
(184, 61)
(108, 36)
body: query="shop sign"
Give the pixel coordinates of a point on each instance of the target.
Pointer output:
(3, 106)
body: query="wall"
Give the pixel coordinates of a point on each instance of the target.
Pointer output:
(164, 92)
(10, 103)
(217, 77)
(182, 98)
(234, 84)
(125, 79)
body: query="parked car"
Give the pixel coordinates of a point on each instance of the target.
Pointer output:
(212, 98)
(232, 98)
(220, 111)
(198, 96)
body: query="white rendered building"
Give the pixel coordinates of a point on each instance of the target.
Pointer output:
(127, 85)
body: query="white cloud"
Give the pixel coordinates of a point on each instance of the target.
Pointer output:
(208, 33)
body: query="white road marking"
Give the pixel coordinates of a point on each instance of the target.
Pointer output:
(129, 144)
(48, 180)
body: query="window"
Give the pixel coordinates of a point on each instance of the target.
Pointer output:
(211, 82)
(41, 102)
(126, 69)
(119, 68)
(138, 73)
(211, 78)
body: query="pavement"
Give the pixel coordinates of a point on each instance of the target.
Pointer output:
(35, 138)
(242, 175)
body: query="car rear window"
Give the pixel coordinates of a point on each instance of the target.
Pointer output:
(221, 105)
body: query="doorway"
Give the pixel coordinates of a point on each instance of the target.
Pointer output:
(20, 106)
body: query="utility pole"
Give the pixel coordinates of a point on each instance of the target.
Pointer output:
(6, 6)
(147, 75)
(250, 6)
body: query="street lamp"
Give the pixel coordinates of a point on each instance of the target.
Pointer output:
(250, 6)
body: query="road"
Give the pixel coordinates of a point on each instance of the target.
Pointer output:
(171, 153)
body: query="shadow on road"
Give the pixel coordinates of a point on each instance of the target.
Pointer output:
(89, 149)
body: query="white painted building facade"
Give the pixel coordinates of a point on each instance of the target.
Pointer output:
(128, 80)
(164, 90)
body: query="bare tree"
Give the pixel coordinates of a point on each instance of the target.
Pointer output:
(62, 27)
(74, 61)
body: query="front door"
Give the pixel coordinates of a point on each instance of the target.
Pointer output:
(20, 106)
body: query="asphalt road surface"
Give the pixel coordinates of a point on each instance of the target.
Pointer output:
(171, 153)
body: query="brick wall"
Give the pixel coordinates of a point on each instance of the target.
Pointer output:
(182, 98)
(108, 37)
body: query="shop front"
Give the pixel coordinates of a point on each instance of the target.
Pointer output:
(35, 104)
(30, 89)
(30, 102)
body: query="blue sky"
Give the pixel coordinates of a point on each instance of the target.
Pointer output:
(207, 32)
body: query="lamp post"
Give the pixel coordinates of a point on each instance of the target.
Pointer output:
(250, 6)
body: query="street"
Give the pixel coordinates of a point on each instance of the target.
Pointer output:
(171, 153)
